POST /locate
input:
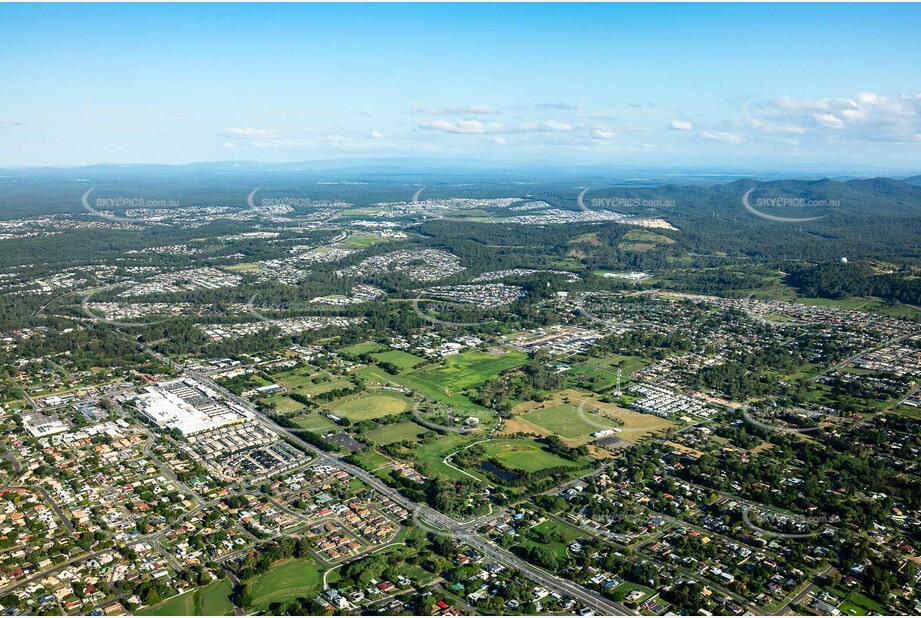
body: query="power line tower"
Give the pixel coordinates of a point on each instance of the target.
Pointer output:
(617, 392)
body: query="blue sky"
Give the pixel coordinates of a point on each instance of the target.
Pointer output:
(834, 87)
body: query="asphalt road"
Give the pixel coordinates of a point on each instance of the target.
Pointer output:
(441, 521)
(427, 514)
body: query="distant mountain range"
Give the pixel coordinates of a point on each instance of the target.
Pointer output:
(420, 167)
(57, 190)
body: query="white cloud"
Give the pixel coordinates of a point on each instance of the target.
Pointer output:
(469, 125)
(376, 135)
(603, 134)
(479, 109)
(467, 110)
(461, 126)
(866, 117)
(249, 132)
(544, 126)
(499, 140)
(853, 114)
(681, 125)
(829, 120)
(276, 143)
(722, 136)
(556, 106)
(867, 98)
(553, 125)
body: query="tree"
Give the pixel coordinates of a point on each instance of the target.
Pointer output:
(243, 595)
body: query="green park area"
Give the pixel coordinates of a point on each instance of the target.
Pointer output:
(286, 581)
(566, 420)
(371, 405)
(554, 535)
(363, 348)
(403, 360)
(856, 604)
(317, 423)
(576, 415)
(468, 370)
(524, 455)
(308, 382)
(210, 600)
(430, 457)
(411, 380)
(623, 591)
(397, 432)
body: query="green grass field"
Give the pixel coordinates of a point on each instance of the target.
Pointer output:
(362, 241)
(298, 378)
(559, 415)
(363, 348)
(284, 404)
(463, 371)
(642, 240)
(566, 533)
(301, 381)
(243, 268)
(469, 369)
(564, 420)
(323, 387)
(210, 600)
(401, 359)
(857, 604)
(600, 374)
(854, 303)
(628, 364)
(369, 459)
(285, 581)
(316, 423)
(592, 378)
(398, 432)
(524, 455)
(371, 405)
(430, 456)
(425, 387)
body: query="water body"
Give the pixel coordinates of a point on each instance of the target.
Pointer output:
(498, 472)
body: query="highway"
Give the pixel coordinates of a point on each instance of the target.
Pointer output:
(426, 514)
(439, 520)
